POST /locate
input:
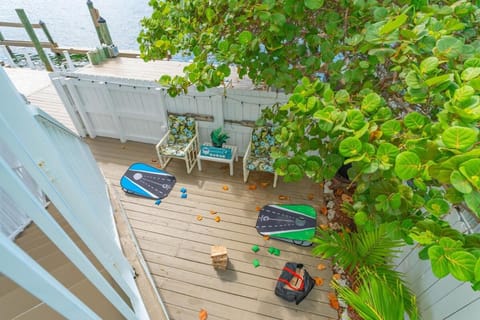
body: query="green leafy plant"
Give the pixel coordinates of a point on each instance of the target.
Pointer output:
(218, 137)
(390, 87)
(378, 297)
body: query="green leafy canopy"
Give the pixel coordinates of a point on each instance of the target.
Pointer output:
(391, 88)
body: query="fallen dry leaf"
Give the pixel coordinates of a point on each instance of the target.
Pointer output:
(281, 197)
(347, 198)
(310, 196)
(323, 226)
(203, 315)
(333, 301)
(213, 212)
(318, 281)
(154, 160)
(252, 187)
(199, 218)
(337, 276)
(338, 192)
(264, 184)
(321, 266)
(324, 210)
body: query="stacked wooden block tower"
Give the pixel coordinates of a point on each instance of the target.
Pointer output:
(219, 257)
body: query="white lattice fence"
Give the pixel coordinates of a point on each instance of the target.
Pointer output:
(136, 110)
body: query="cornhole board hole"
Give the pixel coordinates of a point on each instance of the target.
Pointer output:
(294, 223)
(146, 181)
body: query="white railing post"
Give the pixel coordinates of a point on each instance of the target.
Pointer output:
(23, 270)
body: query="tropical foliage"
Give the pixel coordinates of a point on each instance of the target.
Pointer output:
(390, 87)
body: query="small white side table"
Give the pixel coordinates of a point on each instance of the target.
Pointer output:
(201, 157)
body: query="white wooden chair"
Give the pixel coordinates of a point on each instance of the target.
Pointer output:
(257, 157)
(181, 142)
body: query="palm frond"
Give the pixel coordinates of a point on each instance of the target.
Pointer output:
(352, 250)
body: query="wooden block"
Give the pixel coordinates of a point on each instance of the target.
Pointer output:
(218, 251)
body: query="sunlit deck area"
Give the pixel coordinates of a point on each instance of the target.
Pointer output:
(176, 243)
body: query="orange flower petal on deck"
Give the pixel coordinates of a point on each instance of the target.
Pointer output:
(154, 160)
(264, 184)
(310, 196)
(213, 212)
(318, 281)
(333, 301)
(199, 217)
(282, 197)
(203, 315)
(217, 219)
(252, 187)
(321, 266)
(324, 210)
(336, 276)
(267, 237)
(225, 188)
(258, 208)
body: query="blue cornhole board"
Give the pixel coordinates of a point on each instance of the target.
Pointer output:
(146, 181)
(294, 223)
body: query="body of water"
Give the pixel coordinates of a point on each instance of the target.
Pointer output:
(70, 24)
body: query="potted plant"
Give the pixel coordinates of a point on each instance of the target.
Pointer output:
(219, 137)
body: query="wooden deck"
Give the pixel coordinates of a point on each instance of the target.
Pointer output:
(176, 245)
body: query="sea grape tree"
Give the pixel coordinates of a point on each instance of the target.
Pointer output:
(389, 87)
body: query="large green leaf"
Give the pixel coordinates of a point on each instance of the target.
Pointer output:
(463, 93)
(476, 271)
(407, 165)
(371, 102)
(437, 207)
(314, 4)
(459, 182)
(391, 128)
(460, 138)
(245, 37)
(470, 73)
(471, 170)
(350, 147)
(461, 265)
(393, 24)
(387, 152)
(355, 119)
(449, 46)
(428, 65)
(473, 201)
(439, 261)
(414, 121)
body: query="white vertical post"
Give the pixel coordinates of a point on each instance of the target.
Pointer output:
(29, 204)
(29, 60)
(8, 56)
(70, 66)
(23, 270)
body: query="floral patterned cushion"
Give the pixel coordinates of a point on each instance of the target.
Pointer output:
(262, 142)
(176, 150)
(182, 129)
(260, 164)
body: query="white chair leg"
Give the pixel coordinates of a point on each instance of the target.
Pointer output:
(275, 178)
(246, 172)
